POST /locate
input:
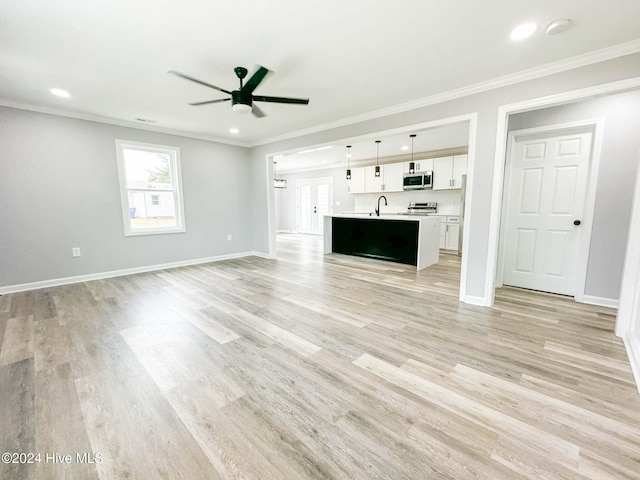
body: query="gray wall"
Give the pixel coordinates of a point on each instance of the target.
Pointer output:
(616, 178)
(486, 105)
(285, 198)
(59, 189)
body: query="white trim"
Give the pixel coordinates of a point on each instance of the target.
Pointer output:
(600, 301)
(594, 126)
(629, 312)
(472, 300)
(90, 117)
(499, 160)
(286, 231)
(466, 226)
(632, 346)
(261, 255)
(271, 208)
(119, 273)
(176, 171)
(589, 58)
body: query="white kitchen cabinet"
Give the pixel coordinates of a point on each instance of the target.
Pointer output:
(453, 234)
(442, 173)
(357, 183)
(443, 232)
(459, 169)
(372, 184)
(392, 177)
(424, 165)
(448, 171)
(449, 232)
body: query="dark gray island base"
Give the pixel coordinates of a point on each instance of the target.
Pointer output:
(394, 238)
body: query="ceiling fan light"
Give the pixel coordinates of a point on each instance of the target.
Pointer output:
(241, 108)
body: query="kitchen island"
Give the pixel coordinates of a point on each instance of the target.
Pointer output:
(408, 239)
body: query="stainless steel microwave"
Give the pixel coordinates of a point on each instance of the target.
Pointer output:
(417, 181)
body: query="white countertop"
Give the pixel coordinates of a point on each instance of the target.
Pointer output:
(392, 216)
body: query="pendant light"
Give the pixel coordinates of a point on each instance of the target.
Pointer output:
(278, 182)
(377, 155)
(348, 157)
(412, 165)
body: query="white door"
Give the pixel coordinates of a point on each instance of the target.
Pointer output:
(546, 195)
(314, 200)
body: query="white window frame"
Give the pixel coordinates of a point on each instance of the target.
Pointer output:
(176, 171)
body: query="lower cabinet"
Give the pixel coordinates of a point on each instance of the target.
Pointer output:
(449, 232)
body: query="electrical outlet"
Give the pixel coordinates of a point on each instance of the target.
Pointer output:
(229, 236)
(337, 203)
(75, 251)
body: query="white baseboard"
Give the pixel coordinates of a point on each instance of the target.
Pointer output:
(632, 345)
(261, 255)
(471, 300)
(600, 301)
(286, 231)
(119, 273)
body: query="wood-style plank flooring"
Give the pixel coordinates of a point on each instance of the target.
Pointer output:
(312, 367)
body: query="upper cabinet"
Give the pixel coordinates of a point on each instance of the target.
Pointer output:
(356, 184)
(448, 172)
(393, 176)
(364, 180)
(447, 175)
(424, 165)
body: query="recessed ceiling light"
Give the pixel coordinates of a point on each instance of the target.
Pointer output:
(58, 92)
(404, 147)
(234, 130)
(523, 31)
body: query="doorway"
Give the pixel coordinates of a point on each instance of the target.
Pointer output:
(545, 196)
(314, 200)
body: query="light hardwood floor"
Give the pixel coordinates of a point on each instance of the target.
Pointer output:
(312, 366)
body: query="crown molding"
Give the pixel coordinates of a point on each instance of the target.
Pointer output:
(571, 63)
(120, 123)
(589, 58)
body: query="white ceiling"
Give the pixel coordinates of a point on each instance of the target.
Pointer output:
(349, 57)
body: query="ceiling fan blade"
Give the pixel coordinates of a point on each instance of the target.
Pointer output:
(196, 104)
(257, 112)
(255, 80)
(187, 77)
(262, 98)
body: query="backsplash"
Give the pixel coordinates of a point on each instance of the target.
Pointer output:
(448, 201)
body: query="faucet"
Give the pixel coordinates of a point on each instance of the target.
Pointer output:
(378, 207)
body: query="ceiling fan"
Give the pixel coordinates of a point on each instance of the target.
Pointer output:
(243, 98)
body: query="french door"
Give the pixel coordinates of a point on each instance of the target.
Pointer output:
(314, 199)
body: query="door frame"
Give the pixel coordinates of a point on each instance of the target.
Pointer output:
(314, 189)
(596, 127)
(504, 111)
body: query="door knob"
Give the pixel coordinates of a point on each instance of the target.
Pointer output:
(577, 222)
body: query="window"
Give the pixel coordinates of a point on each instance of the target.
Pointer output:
(150, 188)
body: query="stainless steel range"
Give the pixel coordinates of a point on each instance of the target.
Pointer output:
(426, 208)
